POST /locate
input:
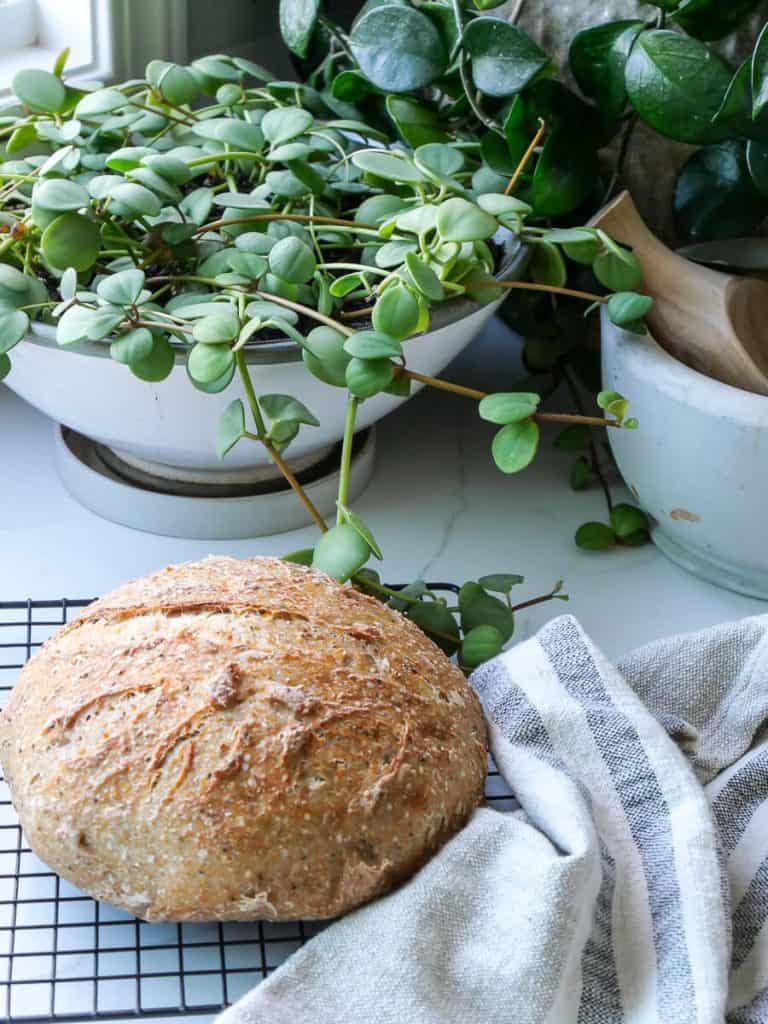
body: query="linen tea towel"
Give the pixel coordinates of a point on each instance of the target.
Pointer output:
(631, 885)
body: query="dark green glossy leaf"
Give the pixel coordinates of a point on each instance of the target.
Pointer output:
(398, 48)
(437, 622)
(480, 645)
(713, 19)
(501, 582)
(595, 537)
(581, 474)
(297, 23)
(504, 59)
(478, 608)
(759, 76)
(716, 196)
(418, 124)
(732, 255)
(598, 57)
(627, 520)
(677, 85)
(5, 366)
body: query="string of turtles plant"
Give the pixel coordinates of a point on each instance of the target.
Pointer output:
(164, 223)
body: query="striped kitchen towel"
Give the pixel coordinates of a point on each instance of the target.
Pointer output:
(629, 887)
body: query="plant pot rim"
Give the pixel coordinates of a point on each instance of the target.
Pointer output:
(288, 351)
(683, 384)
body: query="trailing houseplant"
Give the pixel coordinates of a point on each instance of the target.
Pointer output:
(207, 208)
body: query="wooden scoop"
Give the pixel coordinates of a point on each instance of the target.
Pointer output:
(715, 323)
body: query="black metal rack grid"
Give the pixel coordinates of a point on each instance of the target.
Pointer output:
(64, 956)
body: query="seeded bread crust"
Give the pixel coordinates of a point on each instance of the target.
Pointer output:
(229, 740)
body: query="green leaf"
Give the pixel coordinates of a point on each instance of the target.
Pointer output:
(437, 157)
(80, 323)
(614, 403)
(231, 427)
(373, 345)
(716, 196)
(618, 269)
(418, 124)
(437, 622)
(512, 407)
(595, 537)
(207, 363)
(627, 520)
(677, 84)
(598, 58)
(398, 48)
(351, 87)
(581, 474)
(285, 123)
(515, 446)
(71, 240)
(424, 277)
(478, 608)
(340, 552)
(123, 288)
(156, 366)
(68, 284)
(286, 409)
(249, 264)
(627, 307)
(499, 205)
(357, 524)
(395, 314)
(41, 91)
(480, 645)
(574, 438)
(324, 356)
(547, 265)
(22, 137)
(292, 260)
(303, 556)
(14, 325)
(5, 366)
(175, 84)
(712, 19)
(102, 101)
(132, 200)
(504, 59)
(131, 347)
(219, 328)
(367, 377)
(461, 221)
(501, 582)
(387, 165)
(566, 173)
(60, 195)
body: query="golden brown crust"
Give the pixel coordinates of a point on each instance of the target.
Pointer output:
(240, 739)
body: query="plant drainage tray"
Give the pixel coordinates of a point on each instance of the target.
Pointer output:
(64, 956)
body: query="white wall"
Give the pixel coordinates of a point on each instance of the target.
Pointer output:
(243, 27)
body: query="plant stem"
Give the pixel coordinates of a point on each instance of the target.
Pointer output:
(594, 456)
(458, 17)
(477, 110)
(212, 158)
(526, 157)
(298, 307)
(302, 218)
(530, 286)
(338, 35)
(536, 600)
(161, 113)
(515, 16)
(478, 396)
(346, 454)
(261, 433)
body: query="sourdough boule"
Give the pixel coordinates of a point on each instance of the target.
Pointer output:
(240, 739)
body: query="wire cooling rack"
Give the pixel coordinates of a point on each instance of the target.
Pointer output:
(64, 956)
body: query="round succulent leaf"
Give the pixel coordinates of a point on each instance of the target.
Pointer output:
(376, 209)
(231, 427)
(479, 608)
(220, 328)
(14, 286)
(439, 157)
(168, 167)
(501, 582)
(265, 310)
(133, 200)
(481, 644)
(60, 195)
(497, 204)
(255, 242)
(618, 272)
(128, 158)
(595, 537)
(39, 90)
(515, 446)
(628, 307)
(367, 377)
(132, 347)
(581, 474)
(437, 622)
(68, 284)
(285, 123)
(504, 59)
(482, 286)
(396, 313)
(417, 219)
(175, 83)
(297, 23)
(208, 362)
(398, 48)
(287, 409)
(340, 552)
(374, 344)
(509, 407)
(14, 325)
(627, 520)
(357, 524)
(424, 277)
(292, 260)
(71, 240)
(248, 264)
(342, 286)
(156, 183)
(392, 254)
(547, 265)
(122, 289)
(102, 101)
(324, 356)
(387, 165)
(157, 365)
(458, 220)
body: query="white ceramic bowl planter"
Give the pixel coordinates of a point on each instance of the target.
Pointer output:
(698, 465)
(172, 425)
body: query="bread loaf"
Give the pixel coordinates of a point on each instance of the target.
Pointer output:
(231, 740)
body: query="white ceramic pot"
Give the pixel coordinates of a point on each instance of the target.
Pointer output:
(698, 464)
(171, 424)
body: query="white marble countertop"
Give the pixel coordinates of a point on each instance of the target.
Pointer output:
(437, 506)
